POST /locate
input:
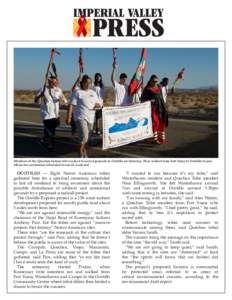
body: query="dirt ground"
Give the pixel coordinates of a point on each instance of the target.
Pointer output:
(191, 104)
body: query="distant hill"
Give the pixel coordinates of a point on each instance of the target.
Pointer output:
(210, 87)
(200, 89)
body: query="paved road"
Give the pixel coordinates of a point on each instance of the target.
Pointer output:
(186, 139)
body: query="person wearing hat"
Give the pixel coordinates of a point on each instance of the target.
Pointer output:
(50, 99)
(120, 89)
(153, 93)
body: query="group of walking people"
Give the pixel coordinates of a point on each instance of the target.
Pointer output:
(84, 112)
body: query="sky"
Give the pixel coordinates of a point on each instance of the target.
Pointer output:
(201, 65)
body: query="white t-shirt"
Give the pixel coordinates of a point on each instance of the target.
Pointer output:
(49, 109)
(137, 96)
(164, 90)
(84, 102)
(121, 94)
(73, 92)
(100, 93)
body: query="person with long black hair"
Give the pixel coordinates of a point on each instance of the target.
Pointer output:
(153, 93)
(164, 87)
(98, 87)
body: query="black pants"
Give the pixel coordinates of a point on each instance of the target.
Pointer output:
(50, 127)
(73, 125)
(98, 116)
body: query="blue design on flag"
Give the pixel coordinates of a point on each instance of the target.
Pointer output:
(132, 123)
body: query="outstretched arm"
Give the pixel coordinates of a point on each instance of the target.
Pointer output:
(77, 82)
(38, 97)
(113, 75)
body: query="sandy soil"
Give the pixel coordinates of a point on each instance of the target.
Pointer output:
(195, 104)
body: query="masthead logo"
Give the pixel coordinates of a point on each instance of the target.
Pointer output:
(102, 22)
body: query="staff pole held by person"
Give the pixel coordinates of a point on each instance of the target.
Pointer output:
(50, 63)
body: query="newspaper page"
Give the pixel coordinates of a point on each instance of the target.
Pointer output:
(114, 146)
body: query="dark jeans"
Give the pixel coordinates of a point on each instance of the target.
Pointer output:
(50, 127)
(73, 125)
(98, 116)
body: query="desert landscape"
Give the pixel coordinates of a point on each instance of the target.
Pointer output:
(192, 130)
(200, 104)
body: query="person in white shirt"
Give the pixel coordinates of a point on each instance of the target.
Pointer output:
(98, 87)
(120, 89)
(50, 100)
(164, 88)
(83, 104)
(75, 88)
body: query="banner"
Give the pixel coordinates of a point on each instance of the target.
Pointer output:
(126, 124)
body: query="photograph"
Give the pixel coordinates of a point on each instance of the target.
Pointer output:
(116, 102)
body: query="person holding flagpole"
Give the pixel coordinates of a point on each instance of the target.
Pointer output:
(83, 104)
(120, 87)
(49, 101)
(50, 96)
(76, 86)
(153, 93)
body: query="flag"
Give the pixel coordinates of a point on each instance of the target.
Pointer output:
(137, 79)
(180, 76)
(52, 64)
(54, 69)
(81, 61)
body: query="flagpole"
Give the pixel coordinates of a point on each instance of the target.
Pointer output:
(81, 61)
(114, 56)
(180, 76)
(53, 52)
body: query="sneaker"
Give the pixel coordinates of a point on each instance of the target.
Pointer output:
(81, 155)
(85, 154)
(43, 144)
